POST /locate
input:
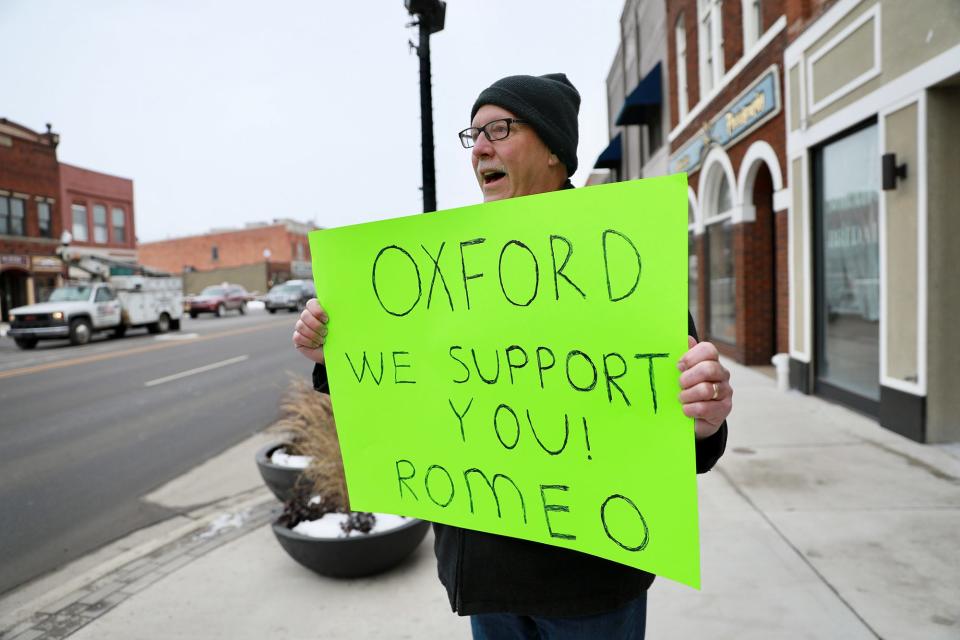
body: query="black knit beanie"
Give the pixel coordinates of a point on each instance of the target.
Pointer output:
(549, 103)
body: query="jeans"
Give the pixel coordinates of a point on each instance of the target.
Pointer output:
(626, 623)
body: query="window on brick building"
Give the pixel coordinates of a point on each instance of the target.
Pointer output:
(214, 253)
(710, 40)
(11, 216)
(680, 32)
(79, 213)
(752, 23)
(721, 277)
(693, 266)
(100, 224)
(119, 220)
(43, 219)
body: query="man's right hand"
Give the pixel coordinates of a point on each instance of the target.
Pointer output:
(311, 331)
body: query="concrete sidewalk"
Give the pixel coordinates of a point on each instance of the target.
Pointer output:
(817, 523)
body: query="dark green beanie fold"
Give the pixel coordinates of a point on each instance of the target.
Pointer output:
(549, 103)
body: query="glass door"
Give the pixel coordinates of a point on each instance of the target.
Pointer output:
(847, 273)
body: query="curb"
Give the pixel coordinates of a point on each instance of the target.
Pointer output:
(61, 612)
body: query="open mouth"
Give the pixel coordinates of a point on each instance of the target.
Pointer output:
(491, 177)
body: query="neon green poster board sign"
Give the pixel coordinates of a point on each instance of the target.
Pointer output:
(510, 367)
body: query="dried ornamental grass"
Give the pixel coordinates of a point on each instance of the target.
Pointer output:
(307, 424)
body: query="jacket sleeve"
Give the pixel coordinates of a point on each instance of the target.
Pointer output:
(320, 378)
(709, 449)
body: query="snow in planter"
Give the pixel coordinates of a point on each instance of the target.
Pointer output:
(281, 458)
(332, 525)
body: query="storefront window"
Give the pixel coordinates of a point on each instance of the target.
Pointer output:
(693, 287)
(721, 280)
(723, 284)
(693, 264)
(848, 263)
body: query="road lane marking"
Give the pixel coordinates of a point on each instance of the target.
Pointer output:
(13, 373)
(176, 336)
(193, 372)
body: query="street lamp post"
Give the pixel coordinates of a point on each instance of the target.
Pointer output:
(430, 16)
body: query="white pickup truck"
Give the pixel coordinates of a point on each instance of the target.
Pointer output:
(79, 310)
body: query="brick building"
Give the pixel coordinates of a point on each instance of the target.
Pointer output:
(728, 134)
(281, 246)
(29, 224)
(97, 209)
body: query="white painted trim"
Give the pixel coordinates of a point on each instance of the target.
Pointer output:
(781, 199)
(723, 217)
(815, 31)
(919, 387)
(707, 186)
(929, 73)
(808, 259)
(922, 249)
(802, 83)
(805, 244)
(791, 241)
(697, 226)
(759, 151)
(744, 213)
(882, 250)
(860, 80)
(732, 73)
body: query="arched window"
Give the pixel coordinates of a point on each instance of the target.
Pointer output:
(693, 265)
(721, 276)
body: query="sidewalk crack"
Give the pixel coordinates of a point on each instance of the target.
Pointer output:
(799, 553)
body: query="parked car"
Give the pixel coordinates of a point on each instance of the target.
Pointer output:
(218, 299)
(292, 295)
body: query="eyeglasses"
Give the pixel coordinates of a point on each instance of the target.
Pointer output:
(494, 130)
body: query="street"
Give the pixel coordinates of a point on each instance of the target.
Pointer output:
(87, 431)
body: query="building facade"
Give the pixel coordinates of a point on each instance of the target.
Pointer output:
(281, 246)
(97, 210)
(872, 99)
(727, 133)
(637, 100)
(30, 226)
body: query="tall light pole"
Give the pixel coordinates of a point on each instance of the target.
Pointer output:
(430, 15)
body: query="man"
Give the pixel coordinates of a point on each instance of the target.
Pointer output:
(523, 136)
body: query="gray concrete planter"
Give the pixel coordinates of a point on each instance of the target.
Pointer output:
(353, 557)
(280, 480)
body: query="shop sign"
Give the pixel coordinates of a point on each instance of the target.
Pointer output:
(757, 104)
(14, 261)
(46, 264)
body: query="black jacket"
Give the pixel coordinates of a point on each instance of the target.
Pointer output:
(487, 573)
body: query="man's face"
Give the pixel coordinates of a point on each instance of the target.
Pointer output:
(518, 165)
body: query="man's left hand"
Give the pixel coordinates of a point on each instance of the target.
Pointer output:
(705, 393)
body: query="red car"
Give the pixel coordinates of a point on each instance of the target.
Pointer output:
(218, 299)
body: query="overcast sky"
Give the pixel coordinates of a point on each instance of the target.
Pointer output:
(237, 111)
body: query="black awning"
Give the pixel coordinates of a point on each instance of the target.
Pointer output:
(611, 156)
(643, 103)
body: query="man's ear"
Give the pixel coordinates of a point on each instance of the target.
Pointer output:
(553, 160)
